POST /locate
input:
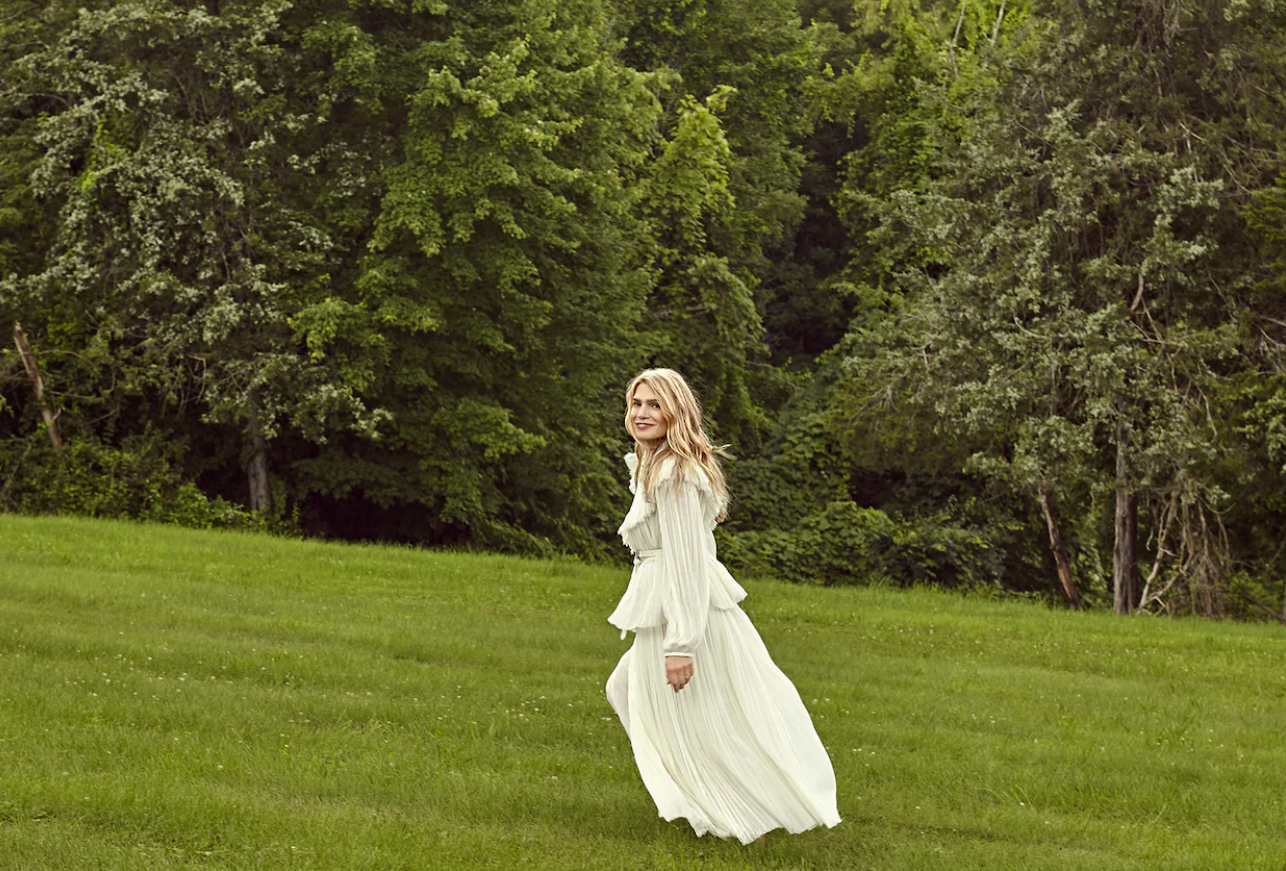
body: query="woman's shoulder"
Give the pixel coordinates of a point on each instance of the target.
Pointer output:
(673, 474)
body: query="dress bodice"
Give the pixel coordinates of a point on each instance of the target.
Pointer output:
(682, 578)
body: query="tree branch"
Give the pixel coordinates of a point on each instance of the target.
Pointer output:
(37, 383)
(951, 46)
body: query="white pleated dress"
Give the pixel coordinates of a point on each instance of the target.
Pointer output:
(735, 752)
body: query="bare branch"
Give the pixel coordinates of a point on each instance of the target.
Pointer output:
(1138, 297)
(995, 32)
(37, 383)
(951, 46)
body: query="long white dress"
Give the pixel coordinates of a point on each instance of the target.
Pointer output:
(734, 752)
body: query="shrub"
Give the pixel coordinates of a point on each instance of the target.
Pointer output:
(845, 544)
(138, 479)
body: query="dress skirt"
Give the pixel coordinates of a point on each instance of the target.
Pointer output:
(735, 752)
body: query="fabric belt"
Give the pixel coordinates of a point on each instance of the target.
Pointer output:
(650, 553)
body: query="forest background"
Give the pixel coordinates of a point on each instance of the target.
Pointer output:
(984, 294)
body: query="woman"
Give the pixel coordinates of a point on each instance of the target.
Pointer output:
(720, 735)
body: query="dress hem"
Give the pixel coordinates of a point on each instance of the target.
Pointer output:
(750, 839)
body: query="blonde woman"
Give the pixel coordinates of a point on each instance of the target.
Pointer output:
(720, 735)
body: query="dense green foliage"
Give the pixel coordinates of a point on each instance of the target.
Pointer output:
(988, 293)
(1079, 281)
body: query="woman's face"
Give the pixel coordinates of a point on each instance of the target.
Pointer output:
(646, 420)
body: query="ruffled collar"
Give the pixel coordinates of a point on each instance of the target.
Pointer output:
(665, 473)
(640, 509)
(632, 463)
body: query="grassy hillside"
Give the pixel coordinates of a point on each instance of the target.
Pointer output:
(175, 699)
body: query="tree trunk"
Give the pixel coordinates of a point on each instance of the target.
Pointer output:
(1060, 551)
(1125, 553)
(37, 384)
(257, 468)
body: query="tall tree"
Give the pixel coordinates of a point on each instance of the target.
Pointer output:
(24, 224)
(318, 223)
(484, 168)
(743, 67)
(181, 252)
(1086, 266)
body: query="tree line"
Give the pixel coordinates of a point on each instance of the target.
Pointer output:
(984, 293)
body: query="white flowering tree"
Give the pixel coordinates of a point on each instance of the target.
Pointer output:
(184, 250)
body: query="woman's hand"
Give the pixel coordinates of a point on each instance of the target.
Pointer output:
(678, 671)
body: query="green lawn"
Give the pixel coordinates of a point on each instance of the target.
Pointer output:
(176, 699)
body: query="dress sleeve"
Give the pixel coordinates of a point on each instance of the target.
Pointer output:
(686, 600)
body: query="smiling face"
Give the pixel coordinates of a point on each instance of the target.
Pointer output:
(647, 422)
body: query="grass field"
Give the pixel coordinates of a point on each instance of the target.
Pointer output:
(175, 699)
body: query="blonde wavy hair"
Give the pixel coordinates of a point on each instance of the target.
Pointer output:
(685, 438)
